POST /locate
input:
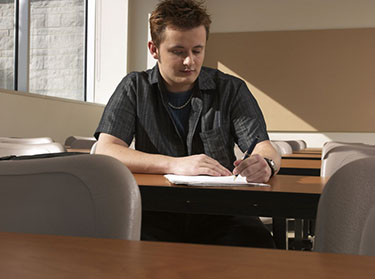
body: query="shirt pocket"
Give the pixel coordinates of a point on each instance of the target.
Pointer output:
(217, 145)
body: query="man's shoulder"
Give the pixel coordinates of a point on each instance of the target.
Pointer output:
(137, 78)
(137, 75)
(217, 77)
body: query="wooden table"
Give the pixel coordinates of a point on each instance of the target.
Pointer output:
(311, 156)
(288, 197)
(77, 150)
(309, 150)
(35, 256)
(300, 167)
(301, 163)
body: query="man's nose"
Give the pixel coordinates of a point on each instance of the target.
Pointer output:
(188, 60)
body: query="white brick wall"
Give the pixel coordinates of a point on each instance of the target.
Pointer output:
(56, 47)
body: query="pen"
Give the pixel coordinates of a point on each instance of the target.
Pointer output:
(249, 150)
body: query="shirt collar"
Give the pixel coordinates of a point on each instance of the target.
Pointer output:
(205, 80)
(153, 76)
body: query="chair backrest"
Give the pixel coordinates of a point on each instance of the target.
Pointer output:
(367, 245)
(327, 146)
(337, 154)
(77, 195)
(93, 148)
(297, 144)
(283, 147)
(345, 209)
(302, 144)
(7, 149)
(79, 142)
(277, 147)
(38, 140)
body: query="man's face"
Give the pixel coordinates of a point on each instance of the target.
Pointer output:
(180, 57)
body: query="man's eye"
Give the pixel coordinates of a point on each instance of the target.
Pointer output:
(177, 52)
(196, 51)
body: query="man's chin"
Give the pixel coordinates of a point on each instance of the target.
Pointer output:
(188, 79)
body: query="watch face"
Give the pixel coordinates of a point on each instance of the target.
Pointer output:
(272, 165)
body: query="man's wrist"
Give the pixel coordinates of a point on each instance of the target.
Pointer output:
(272, 166)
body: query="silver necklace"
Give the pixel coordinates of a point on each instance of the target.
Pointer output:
(183, 105)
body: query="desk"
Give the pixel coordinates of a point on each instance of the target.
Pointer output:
(68, 149)
(309, 151)
(311, 156)
(288, 197)
(36, 256)
(300, 167)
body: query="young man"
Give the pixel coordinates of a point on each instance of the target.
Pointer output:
(185, 119)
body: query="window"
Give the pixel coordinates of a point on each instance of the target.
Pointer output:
(74, 49)
(42, 47)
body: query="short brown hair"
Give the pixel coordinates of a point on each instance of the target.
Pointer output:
(181, 14)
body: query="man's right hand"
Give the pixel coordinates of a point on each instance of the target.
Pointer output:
(197, 165)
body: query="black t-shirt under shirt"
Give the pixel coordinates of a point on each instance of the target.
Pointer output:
(180, 116)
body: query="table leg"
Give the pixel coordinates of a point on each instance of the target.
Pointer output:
(280, 232)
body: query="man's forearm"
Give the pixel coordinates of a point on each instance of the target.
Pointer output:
(266, 150)
(136, 161)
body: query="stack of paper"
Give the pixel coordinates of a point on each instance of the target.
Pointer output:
(204, 180)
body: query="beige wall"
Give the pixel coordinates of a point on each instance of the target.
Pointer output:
(138, 33)
(307, 80)
(276, 15)
(29, 115)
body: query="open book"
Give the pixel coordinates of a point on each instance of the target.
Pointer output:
(205, 180)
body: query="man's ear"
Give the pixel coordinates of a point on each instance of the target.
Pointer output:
(153, 50)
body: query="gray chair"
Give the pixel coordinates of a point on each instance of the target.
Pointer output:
(8, 149)
(283, 147)
(329, 145)
(277, 147)
(334, 156)
(367, 245)
(297, 145)
(77, 195)
(38, 140)
(78, 142)
(345, 216)
(337, 154)
(93, 148)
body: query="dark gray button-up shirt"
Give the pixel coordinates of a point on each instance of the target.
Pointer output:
(223, 112)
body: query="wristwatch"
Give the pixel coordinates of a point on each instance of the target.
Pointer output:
(272, 166)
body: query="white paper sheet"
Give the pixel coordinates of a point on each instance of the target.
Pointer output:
(204, 180)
